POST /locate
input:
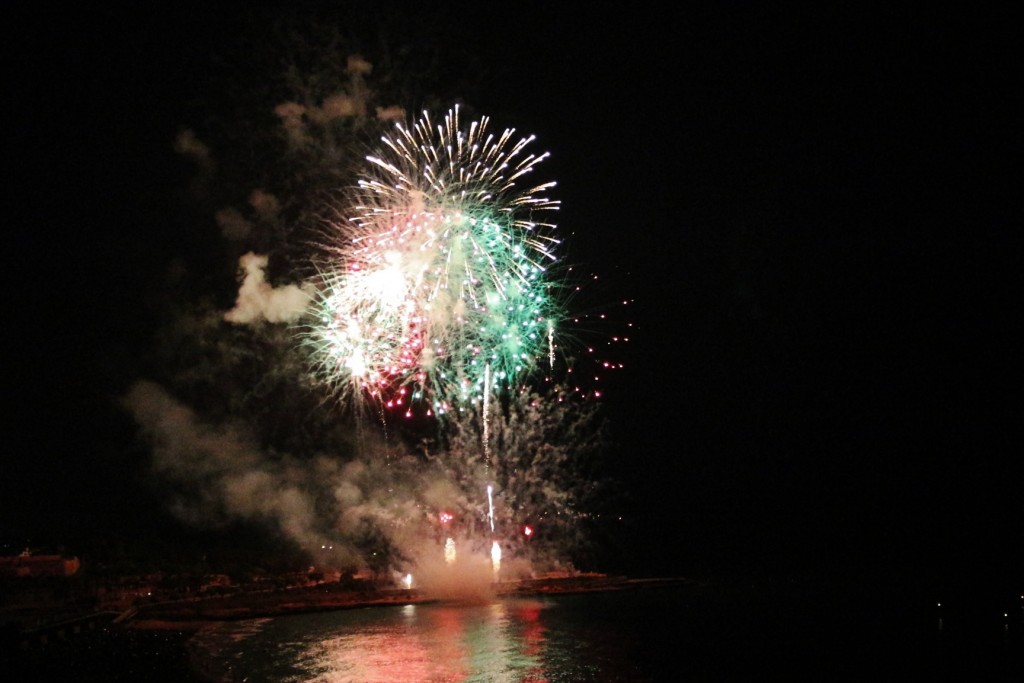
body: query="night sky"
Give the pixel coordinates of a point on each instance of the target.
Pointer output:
(812, 211)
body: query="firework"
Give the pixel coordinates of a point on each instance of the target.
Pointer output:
(495, 559)
(440, 285)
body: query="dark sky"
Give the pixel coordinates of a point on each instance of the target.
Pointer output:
(812, 211)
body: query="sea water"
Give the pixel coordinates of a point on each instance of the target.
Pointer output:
(642, 635)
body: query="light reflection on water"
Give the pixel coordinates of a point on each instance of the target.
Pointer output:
(642, 636)
(436, 643)
(504, 640)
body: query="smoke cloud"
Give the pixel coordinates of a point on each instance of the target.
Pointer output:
(258, 301)
(382, 501)
(188, 144)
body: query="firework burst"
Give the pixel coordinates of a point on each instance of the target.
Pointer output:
(439, 286)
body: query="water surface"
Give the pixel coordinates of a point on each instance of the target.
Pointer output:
(641, 635)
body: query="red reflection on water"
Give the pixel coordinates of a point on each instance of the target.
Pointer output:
(439, 643)
(377, 658)
(450, 647)
(533, 640)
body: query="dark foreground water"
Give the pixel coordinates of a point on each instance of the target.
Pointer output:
(641, 634)
(107, 654)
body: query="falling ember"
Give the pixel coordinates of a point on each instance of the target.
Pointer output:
(551, 345)
(490, 506)
(528, 531)
(486, 420)
(495, 559)
(449, 551)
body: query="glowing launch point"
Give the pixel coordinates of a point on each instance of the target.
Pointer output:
(495, 559)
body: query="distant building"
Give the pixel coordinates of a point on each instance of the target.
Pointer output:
(211, 582)
(26, 564)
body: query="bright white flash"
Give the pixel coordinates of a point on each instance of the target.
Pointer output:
(357, 363)
(389, 282)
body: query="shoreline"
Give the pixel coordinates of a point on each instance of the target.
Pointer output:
(196, 614)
